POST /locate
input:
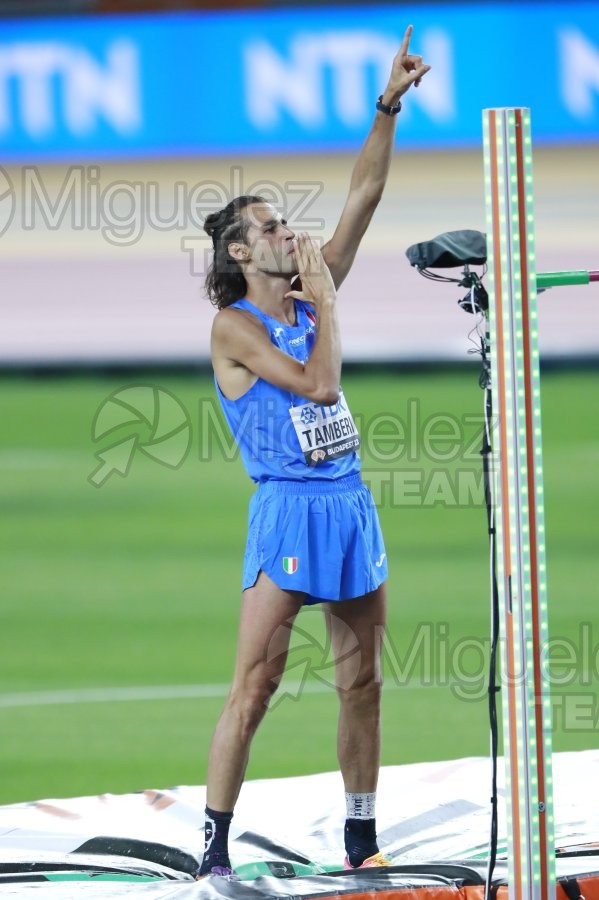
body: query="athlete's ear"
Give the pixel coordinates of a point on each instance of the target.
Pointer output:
(238, 251)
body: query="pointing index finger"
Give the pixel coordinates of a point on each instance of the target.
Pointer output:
(405, 44)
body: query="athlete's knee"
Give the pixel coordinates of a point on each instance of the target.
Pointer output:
(249, 700)
(248, 708)
(363, 691)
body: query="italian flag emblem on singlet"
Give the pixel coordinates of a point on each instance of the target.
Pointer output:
(290, 564)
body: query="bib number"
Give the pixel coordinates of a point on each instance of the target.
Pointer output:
(325, 432)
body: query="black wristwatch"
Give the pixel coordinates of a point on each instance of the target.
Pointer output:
(388, 110)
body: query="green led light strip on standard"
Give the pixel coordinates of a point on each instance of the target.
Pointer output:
(518, 491)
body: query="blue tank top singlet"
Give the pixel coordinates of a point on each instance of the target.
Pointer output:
(283, 436)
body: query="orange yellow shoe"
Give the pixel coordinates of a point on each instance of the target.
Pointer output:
(372, 862)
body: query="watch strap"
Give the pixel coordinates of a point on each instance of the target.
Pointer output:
(387, 110)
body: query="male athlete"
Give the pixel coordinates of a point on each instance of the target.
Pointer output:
(314, 535)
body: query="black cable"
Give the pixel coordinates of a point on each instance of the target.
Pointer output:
(493, 688)
(433, 276)
(477, 302)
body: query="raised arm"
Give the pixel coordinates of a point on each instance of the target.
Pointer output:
(370, 172)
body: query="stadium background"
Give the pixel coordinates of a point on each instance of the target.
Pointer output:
(120, 594)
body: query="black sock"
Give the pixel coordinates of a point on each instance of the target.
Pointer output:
(216, 840)
(360, 840)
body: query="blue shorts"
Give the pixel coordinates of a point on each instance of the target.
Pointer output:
(319, 537)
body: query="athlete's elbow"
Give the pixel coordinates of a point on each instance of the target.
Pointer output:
(325, 395)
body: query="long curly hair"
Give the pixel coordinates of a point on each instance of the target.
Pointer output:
(225, 281)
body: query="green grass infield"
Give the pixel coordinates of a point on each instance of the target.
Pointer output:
(120, 592)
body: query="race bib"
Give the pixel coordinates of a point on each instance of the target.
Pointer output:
(325, 432)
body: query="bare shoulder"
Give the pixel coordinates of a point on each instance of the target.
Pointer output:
(229, 321)
(237, 336)
(233, 326)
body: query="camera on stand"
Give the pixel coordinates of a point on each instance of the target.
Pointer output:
(450, 251)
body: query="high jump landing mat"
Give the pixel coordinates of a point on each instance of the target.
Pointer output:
(433, 822)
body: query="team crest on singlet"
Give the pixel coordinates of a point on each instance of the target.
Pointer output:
(325, 432)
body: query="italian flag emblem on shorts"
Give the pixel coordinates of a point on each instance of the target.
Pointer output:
(290, 564)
